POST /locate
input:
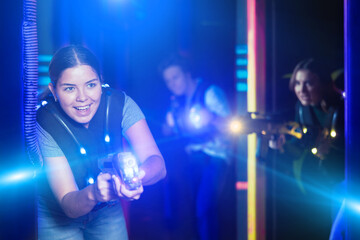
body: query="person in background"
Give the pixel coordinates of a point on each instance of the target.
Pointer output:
(317, 159)
(83, 122)
(197, 116)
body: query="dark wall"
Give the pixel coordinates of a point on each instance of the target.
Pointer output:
(297, 30)
(17, 217)
(11, 140)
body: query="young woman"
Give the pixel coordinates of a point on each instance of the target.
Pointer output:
(83, 123)
(316, 161)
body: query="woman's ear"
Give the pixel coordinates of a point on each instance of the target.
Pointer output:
(52, 90)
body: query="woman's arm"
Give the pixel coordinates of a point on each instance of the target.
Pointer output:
(217, 103)
(143, 143)
(73, 201)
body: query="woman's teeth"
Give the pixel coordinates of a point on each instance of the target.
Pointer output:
(82, 108)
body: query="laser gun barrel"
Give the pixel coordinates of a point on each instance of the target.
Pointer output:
(264, 126)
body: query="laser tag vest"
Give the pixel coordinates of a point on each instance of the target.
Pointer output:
(182, 114)
(84, 146)
(319, 125)
(319, 122)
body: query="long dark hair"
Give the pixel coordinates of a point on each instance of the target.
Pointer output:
(320, 69)
(315, 67)
(72, 56)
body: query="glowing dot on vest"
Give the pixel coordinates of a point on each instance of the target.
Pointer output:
(90, 180)
(43, 103)
(305, 130)
(314, 151)
(196, 118)
(333, 133)
(107, 138)
(135, 179)
(82, 150)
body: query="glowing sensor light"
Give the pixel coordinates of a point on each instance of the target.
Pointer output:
(90, 180)
(305, 130)
(195, 117)
(314, 150)
(333, 133)
(82, 151)
(107, 138)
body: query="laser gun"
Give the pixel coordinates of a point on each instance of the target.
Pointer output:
(123, 164)
(265, 126)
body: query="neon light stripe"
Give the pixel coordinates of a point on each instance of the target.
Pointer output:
(43, 69)
(241, 87)
(241, 62)
(44, 58)
(241, 49)
(44, 80)
(252, 186)
(251, 17)
(241, 74)
(241, 186)
(251, 97)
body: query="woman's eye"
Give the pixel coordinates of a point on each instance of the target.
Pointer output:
(91, 85)
(309, 84)
(69, 89)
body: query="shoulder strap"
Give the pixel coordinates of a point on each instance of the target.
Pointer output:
(199, 95)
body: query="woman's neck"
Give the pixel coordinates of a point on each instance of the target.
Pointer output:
(190, 88)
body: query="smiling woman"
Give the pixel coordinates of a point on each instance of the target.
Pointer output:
(78, 91)
(82, 124)
(315, 162)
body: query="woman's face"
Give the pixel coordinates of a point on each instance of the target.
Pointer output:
(78, 91)
(176, 80)
(307, 88)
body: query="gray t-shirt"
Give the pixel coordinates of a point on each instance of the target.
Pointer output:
(49, 148)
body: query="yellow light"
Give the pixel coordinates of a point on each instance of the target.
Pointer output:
(263, 132)
(252, 139)
(314, 151)
(304, 130)
(235, 126)
(252, 106)
(333, 133)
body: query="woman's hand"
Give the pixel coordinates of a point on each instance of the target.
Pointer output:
(103, 188)
(323, 148)
(123, 192)
(277, 143)
(168, 128)
(147, 152)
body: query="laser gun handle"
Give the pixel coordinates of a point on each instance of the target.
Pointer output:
(105, 164)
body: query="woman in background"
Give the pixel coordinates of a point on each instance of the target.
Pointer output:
(316, 161)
